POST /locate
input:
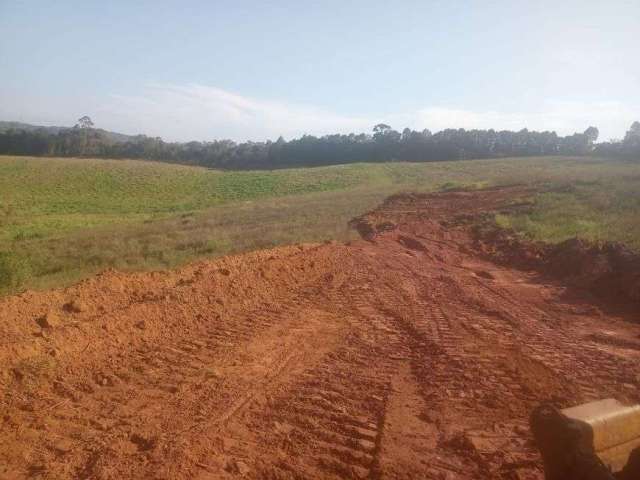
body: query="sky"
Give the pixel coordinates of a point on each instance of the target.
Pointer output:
(255, 70)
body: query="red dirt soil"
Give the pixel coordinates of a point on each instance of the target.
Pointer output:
(408, 355)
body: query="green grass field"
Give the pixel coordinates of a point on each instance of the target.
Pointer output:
(64, 219)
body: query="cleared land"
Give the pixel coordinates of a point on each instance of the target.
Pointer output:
(413, 355)
(64, 219)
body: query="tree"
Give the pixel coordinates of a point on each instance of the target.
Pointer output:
(84, 122)
(384, 133)
(632, 138)
(592, 134)
(381, 128)
(386, 144)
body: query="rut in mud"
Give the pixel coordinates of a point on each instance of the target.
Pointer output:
(407, 355)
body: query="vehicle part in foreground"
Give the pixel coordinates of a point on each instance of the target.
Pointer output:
(595, 441)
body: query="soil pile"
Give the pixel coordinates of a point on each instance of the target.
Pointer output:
(409, 355)
(609, 270)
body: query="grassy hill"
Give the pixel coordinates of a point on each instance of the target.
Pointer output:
(63, 219)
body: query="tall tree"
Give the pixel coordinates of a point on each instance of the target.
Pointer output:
(592, 134)
(84, 122)
(632, 138)
(381, 128)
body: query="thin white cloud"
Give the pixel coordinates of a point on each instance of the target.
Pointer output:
(612, 118)
(205, 113)
(199, 112)
(185, 112)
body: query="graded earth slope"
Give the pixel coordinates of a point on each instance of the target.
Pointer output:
(408, 354)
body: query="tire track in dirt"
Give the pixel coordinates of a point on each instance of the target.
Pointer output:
(332, 415)
(408, 356)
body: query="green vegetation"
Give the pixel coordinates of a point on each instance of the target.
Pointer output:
(63, 219)
(601, 209)
(386, 144)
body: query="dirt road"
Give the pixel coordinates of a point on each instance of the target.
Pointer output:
(408, 356)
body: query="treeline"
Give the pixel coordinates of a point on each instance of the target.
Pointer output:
(629, 147)
(384, 144)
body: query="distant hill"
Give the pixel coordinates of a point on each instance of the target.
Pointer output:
(27, 127)
(4, 126)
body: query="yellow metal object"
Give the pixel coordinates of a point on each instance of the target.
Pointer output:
(612, 429)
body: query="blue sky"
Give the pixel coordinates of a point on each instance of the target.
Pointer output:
(193, 70)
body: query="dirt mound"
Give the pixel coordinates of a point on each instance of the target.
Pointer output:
(413, 355)
(610, 270)
(450, 208)
(505, 246)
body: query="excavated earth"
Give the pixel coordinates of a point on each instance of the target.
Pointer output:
(416, 352)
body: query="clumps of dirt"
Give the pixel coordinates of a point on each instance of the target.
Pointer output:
(485, 274)
(364, 227)
(385, 227)
(75, 306)
(411, 243)
(608, 269)
(369, 228)
(143, 443)
(506, 246)
(227, 368)
(404, 211)
(48, 320)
